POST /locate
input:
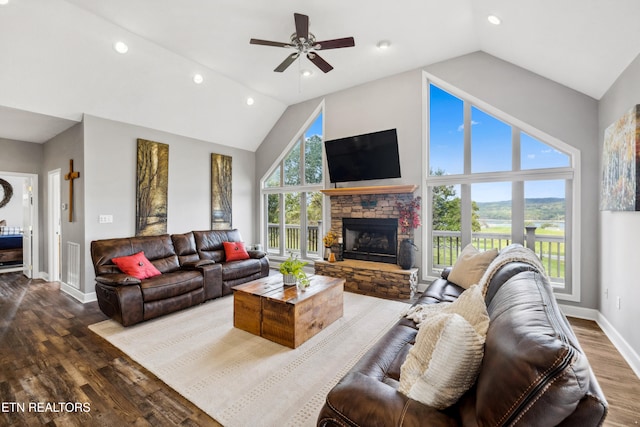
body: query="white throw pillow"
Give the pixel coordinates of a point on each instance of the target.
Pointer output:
(470, 266)
(445, 360)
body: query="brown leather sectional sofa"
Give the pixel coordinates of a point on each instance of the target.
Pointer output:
(533, 372)
(193, 270)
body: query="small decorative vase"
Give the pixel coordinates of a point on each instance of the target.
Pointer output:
(327, 251)
(406, 254)
(302, 286)
(289, 279)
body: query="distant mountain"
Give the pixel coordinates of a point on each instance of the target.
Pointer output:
(543, 209)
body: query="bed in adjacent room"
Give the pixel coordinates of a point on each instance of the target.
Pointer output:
(10, 246)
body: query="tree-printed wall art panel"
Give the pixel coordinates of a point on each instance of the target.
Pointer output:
(621, 164)
(151, 188)
(221, 207)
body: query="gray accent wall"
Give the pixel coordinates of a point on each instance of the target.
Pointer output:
(57, 153)
(110, 183)
(620, 231)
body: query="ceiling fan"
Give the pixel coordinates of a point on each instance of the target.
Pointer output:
(304, 42)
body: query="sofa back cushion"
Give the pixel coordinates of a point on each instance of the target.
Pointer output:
(210, 243)
(185, 247)
(158, 249)
(534, 371)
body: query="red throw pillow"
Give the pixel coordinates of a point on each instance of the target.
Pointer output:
(235, 251)
(137, 266)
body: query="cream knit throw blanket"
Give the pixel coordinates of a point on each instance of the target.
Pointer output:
(419, 312)
(513, 254)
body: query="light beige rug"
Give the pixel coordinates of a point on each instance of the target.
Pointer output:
(244, 380)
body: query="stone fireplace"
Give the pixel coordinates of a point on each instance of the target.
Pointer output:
(366, 218)
(370, 239)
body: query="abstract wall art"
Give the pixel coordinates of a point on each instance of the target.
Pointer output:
(221, 207)
(151, 188)
(620, 185)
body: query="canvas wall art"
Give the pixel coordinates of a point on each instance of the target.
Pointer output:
(151, 188)
(221, 208)
(621, 164)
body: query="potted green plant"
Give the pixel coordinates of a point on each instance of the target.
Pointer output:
(292, 270)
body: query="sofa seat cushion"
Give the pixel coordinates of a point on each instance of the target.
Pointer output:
(239, 269)
(170, 285)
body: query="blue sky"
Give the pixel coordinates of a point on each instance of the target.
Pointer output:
(315, 128)
(490, 149)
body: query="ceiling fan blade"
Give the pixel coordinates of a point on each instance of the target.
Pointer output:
(302, 25)
(269, 43)
(335, 43)
(285, 64)
(320, 63)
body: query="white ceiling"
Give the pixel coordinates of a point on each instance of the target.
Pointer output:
(56, 56)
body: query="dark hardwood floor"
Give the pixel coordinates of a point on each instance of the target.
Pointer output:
(64, 375)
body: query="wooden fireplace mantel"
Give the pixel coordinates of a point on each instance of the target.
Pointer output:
(379, 189)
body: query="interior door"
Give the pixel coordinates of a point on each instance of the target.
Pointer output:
(55, 235)
(27, 226)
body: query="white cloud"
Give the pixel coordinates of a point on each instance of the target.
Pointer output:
(473, 123)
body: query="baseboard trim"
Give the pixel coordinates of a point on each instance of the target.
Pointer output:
(627, 352)
(76, 294)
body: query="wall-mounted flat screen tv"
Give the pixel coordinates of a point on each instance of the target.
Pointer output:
(363, 157)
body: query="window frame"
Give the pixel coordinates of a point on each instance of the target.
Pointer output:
(570, 290)
(303, 189)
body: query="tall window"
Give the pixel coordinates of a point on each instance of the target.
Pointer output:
(293, 204)
(493, 183)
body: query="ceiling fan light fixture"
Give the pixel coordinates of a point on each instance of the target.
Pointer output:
(493, 19)
(306, 73)
(384, 44)
(250, 101)
(198, 79)
(121, 47)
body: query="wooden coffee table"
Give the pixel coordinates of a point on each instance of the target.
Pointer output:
(284, 314)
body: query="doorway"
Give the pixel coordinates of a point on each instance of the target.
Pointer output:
(22, 210)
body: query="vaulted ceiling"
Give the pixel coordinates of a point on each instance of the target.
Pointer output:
(57, 60)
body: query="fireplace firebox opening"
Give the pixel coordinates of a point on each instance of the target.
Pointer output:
(370, 239)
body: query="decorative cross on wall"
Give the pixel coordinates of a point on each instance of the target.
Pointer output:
(70, 177)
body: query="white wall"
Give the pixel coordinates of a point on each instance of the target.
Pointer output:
(620, 231)
(110, 177)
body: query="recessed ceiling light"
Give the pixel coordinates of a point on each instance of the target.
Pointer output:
(197, 79)
(494, 19)
(306, 73)
(121, 47)
(250, 101)
(384, 44)
(3, 2)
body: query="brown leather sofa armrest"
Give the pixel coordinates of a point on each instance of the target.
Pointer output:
(193, 265)
(256, 254)
(117, 279)
(362, 400)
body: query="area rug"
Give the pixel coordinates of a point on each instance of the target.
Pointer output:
(240, 379)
